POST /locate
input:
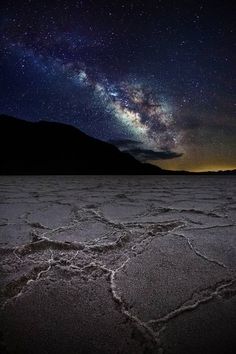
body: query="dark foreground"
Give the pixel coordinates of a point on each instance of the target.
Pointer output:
(118, 264)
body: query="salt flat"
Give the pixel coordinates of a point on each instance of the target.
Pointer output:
(118, 264)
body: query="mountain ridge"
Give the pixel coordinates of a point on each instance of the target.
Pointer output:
(44, 147)
(56, 148)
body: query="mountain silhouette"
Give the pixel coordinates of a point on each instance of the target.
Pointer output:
(54, 148)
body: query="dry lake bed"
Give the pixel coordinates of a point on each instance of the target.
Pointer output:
(118, 264)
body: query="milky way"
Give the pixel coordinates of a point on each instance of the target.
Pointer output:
(140, 112)
(155, 78)
(146, 117)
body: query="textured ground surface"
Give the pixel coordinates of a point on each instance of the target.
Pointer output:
(118, 264)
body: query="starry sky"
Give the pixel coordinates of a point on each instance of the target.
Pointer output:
(155, 78)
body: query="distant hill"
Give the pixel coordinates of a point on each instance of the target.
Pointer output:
(55, 148)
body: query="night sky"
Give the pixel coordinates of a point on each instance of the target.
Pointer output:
(157, 78)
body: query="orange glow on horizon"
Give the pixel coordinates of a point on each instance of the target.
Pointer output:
(174, 166)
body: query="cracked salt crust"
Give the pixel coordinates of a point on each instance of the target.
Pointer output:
(163, 254)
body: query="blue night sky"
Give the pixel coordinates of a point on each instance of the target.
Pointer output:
(152, 76)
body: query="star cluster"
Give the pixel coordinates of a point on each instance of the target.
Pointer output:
(155, 77)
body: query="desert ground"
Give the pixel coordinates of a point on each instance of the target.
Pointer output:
(118, 264)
